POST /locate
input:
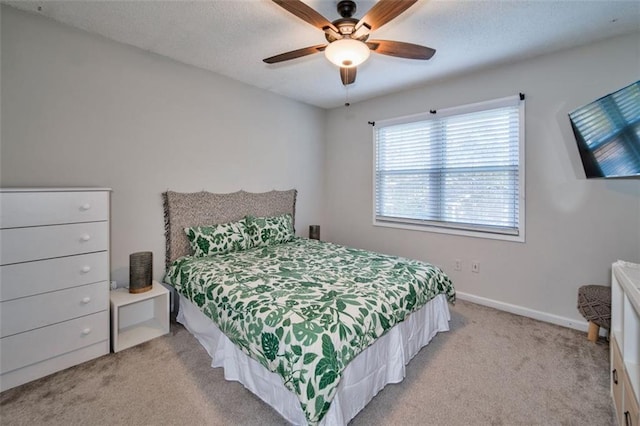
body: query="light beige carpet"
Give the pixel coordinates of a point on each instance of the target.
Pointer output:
(492, 368)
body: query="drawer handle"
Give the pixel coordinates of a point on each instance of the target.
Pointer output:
(86, 331)
(614, 373)
(627, 418)
(85, 237)
(85, 269)
(85, 207)
(86, 300)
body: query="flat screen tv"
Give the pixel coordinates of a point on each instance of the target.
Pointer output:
(607, 131)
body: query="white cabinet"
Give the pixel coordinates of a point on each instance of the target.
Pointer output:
(54, 280)
(136, 318)
(625, 342)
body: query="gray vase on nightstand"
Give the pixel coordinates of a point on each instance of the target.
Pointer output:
(140, 272)
(314, 232)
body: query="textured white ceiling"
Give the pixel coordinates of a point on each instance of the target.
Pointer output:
(231, 37)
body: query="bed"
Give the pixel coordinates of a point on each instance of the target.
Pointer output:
(314, 329)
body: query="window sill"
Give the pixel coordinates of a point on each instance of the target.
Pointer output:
(451, 231)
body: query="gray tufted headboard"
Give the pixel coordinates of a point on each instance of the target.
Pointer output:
(182, 210)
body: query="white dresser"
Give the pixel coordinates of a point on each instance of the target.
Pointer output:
(54, 280)
(625, 342)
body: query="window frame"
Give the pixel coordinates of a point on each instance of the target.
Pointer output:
(479, 231)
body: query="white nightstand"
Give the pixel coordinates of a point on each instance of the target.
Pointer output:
(136, 318)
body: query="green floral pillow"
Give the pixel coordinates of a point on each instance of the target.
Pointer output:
(218, 239)
(264, 231)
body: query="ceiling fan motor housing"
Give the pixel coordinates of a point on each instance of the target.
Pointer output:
(346, 25)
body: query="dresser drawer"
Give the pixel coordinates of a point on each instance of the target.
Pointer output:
(27, 279)
(631, 414)
(27, 313)
(33, 208)
(20, 350)
(617, 374)
(43, 242)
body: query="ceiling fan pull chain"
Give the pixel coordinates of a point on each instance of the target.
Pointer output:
(346, 100)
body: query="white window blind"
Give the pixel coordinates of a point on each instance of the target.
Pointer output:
(460, 168)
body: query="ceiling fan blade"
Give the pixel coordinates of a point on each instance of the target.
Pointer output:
(295, 54)
(306, 13)
(401, 49)
(348, 75)
(383, 12)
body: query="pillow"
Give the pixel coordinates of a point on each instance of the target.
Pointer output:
(218, 239)
(264, 231)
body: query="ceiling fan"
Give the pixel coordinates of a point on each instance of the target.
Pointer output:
(348, 38)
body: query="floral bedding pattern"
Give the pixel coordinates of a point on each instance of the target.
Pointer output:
(218, 239)
(305, 308)
(264, 231)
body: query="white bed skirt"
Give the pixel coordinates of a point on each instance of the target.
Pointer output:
(381, 363)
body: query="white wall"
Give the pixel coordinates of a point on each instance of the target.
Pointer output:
(575, 228)
(80, 110)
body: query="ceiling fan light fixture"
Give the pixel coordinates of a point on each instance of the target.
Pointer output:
(347, 52)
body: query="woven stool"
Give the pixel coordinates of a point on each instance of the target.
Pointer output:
(594, 303)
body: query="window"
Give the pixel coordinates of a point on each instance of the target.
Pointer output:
(459, 170)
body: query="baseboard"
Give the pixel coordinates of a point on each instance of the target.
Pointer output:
(529, 313)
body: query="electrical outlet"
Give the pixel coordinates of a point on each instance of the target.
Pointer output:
(475, 267)
(457, 265)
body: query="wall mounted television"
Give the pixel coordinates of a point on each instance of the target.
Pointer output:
(607, 132)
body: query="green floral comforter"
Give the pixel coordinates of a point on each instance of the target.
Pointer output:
(305, 308)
